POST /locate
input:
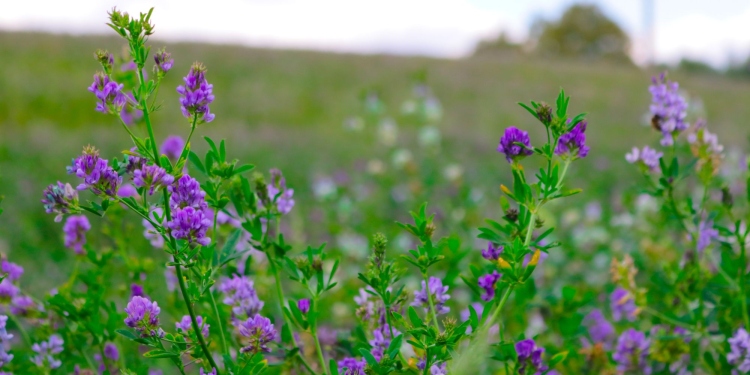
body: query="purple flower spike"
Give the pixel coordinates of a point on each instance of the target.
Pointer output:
(573, 143)
(22, 305)
(668, 108)
(186, 192)
(510, 147)
(97, 175)
(623, 305)
(239, 292)
(259, 331)
(600, 329)
(196, 95)
(439, 369)
(13, 270)
(108, 93)
(163, 60)
(59, 199)
(631, 353)
(172, 147)
(739, 350)
(5, 338)
(152, 177)
(488, 282)
(75, 229)
(492, 252)
(285, 201)
(143, 316)
(45, 352)
(191, 225)
(530, 358)
(647, 157)
(437, 292)
(351, 366)
(304, 305)
(382, 339)
(706, 233)
(186, 325)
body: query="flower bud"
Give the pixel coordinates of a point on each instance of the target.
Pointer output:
(304, 305)
(544, 113)
(511, 214)
(106, 59)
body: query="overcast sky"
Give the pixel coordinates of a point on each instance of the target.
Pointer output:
(715, 31)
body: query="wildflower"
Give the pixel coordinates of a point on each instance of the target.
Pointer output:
(186, 192)
(95, 172)
(437, 292)
(648, 157)
(212, 372)
(239, 292)
(108, 93)
(21, 305)
(530, 358)
(7, 290)
(600, 329)
(623, 305)
(60, 199)
(12, 270)
(439, 369)
(186, 324)
(706, 233)
(152, 177)
(573, 143)
(259, 330)
(45, 352)
(172, 147)
(127, 191)
(631, 351)
(143, 316)
(487, 282)
(75, 229)
(5, 338)
(668, 109)
(191, 225)
(351, 366)
(492, 252)
(739, 350)
(163, 60)
(509, 144)
(381, 341)
(304, 305)
(196, 94)
(366, 305)
(134, 160)
(111, 356)
(284, 202)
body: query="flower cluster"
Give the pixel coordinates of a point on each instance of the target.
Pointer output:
(97, 175)
(277, 187)
(185, 324)
(239, 292)
(196, 94)
(143, 316)
(60, 199)
(351, 366)
(259, 332)
(381, 341)
(647, 157)
(75, 229)
(600, 329)
(668, 109)
(573, 143)
(487, 283)
(492, 252)
(172, 147)
(529, 358)
(631, 352)
(45, 352)
(623, 305)
(5, 338)
(437, 292)
(189, 219)
(163, 60)
(152, 177)
(739, 351)
(108, 93)
(515, 144)
(109, 361)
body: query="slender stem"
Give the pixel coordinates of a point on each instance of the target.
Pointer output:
(668, 319)
(189, 305)
(529, 229)
(429, 300)
(224, 345)
(564, 171)
(318, 349)
(488, 323)
(743, 291)
(147, 119)
(190, 136)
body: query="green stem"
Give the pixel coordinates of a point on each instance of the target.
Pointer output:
(224, 345)
(668, 319)
(147, 119)
(189, 305)
(743, 291)
(318, 349)
(488, 323)
(429, 300)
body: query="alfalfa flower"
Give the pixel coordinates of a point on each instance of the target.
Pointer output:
(163, 60)
(739, 350)
(623, 305)
(259, 332)
(239, 292)
(196, 95)
(191, 225)
(492, 252)
(96, 173)
(647, 157)
(75, 229)
(668, 109)
(573, 143)
(381, 341)
(60, 199)
(600, 329)
(529, 358)
(5, 338)
(45, 352)
(631, 353)
(351, 366)
(186, 192)
(12, 271)
(152, 177)
(706, 234)
(108, 93)
(172, 147)
(186, 325)
(278, 190)
(143, 316)
(437, 292)
(304, 305)
(487, 283)
(515, 144)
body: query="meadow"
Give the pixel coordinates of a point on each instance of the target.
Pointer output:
(314, 116)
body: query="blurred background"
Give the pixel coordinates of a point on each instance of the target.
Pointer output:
(371, 107)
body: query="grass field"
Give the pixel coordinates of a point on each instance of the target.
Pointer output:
(286, 109)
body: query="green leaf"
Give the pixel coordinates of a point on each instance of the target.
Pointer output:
(529, 109)
(158, 353)
(557, 358)
(416, 321)
(127, 334)
(193, 157)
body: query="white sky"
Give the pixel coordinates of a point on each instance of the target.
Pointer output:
(715, 31)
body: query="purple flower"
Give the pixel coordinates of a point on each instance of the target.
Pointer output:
(439, 369)
(196, 94)
(136, 290)
(739, 350)
(143, 316)
(45, 352)
(5, 337)
(191, 225)
(152, 177)
(284, 202)
(706, 233)
(530, 358)
(59, 199)
(600, 329)
(509, 144)
(7, 290)
(623, 305)
(108, 93)
(352, 366)
(22, 305)
(437, 292)
(172, 147)
(573, 142)
(259, 331)
(127, 191)
(75, 229)
(647, 157)
(134, 160)
(186, 192)
(492, 252)
(668, 108)
(186, 325)
(240, 293)
(381, 341)
(111, 352)
(631, 352)
(366, 305)
(487, 282)
(111, 355)
(212, 372)
(304, 305)
(163, 60)
(13, 270)
(96, 173)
